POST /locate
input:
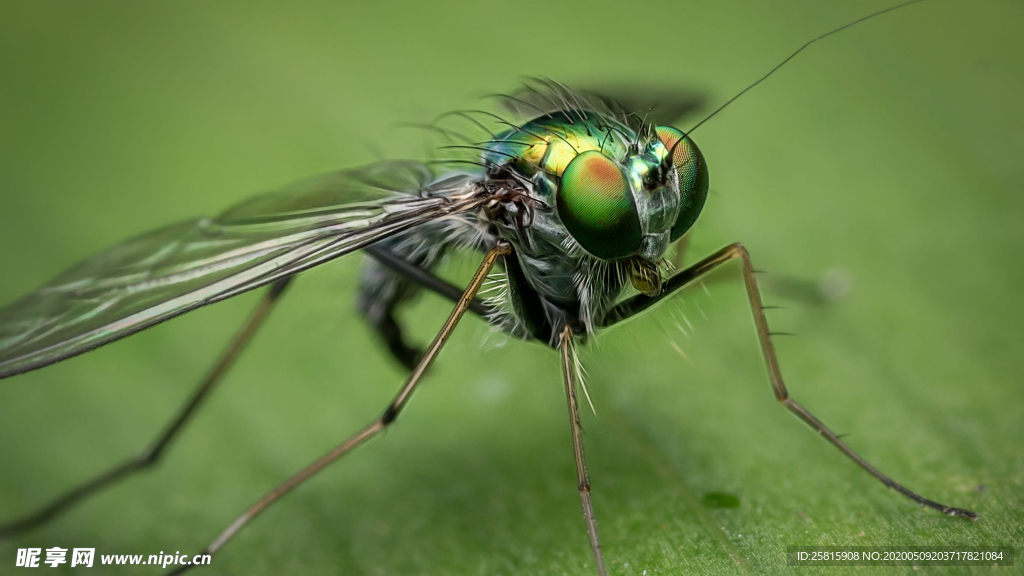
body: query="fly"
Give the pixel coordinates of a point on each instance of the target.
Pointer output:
(578, 203)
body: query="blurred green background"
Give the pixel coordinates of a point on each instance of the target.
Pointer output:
(888, 157)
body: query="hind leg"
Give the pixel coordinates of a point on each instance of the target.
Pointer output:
(151, 456)
(399, 268)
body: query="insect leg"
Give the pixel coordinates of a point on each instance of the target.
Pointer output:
(152, 454)
(502, 248)
(389, 288)
(685, 277)
(400, 267)
(811, 292)
(569, 377)
(425, 278)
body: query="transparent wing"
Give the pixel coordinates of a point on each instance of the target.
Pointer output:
(155, 276)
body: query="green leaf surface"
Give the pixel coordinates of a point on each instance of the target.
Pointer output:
(877, 180)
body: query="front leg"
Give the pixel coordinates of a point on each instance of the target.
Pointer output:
(737, 251)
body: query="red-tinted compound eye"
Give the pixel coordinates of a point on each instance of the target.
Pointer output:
(596, 206)
(693, 177)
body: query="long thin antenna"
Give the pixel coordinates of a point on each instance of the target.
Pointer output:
(793, 55)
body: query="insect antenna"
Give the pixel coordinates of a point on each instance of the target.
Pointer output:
(793, 55)
(672, 150)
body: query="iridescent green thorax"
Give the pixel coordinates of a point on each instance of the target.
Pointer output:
(547, 144)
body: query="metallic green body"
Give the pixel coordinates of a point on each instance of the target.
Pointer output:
(610, 194)
(549, 143)
(618, 193)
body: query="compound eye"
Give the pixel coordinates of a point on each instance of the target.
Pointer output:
(596, 206)
(693, 177)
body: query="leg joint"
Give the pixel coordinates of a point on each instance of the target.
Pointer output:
(147, 458)
(737, 249)
(389, 415)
